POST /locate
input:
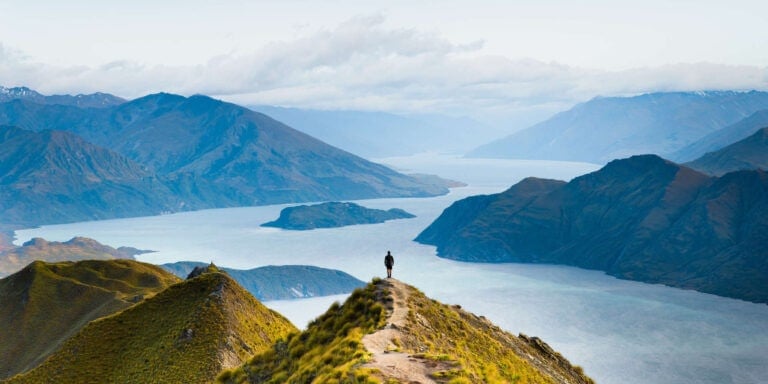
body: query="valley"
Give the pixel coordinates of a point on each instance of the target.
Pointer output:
(587, 316)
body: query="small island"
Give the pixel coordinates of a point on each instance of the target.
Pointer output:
(333, 215)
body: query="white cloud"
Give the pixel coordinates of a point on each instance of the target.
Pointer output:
(362, 64)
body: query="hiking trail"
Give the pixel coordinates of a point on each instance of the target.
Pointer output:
(383, 344)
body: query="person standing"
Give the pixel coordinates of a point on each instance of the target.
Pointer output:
(389, 261)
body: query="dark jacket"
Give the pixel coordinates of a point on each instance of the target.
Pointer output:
(389, 261)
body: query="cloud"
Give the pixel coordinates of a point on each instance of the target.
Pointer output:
(362, 64)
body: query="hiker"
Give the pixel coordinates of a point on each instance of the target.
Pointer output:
(389, 261)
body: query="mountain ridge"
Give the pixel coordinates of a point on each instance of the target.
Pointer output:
(607, 128)
(749, 153)
(281, 282)
(642, 218)
(443, 343)
(186, 333)
(183, 153)
(46, 303)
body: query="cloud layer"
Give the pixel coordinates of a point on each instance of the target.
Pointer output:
(361, 64)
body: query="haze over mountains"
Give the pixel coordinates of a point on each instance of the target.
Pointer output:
(381, 134)
(164, 153)
(604, 129)
(749, 153)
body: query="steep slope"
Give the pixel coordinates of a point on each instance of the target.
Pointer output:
(426, 341)
(722, 137)
(641, 218)
(281, 282)
(332, 215)
(185, 334)
(45, 303)
(55, 176)
(222, 154)
(77, 248)
(604, 129)
(750, 153)
(94, 100)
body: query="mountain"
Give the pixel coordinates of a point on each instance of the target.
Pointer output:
(722, 137)
(390, 332)
(56, 177)
(77, 248)
(216, 154)
(94, 100)
(604, 129)
(749, 153)
(44, 304)
(641, 218)
(281, 282)
(380, 134)
(333, 215)
(187, 333)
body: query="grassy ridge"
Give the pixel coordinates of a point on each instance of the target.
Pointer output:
(331, 350)
(45, 303)
(480, 351)
(186, 334)
(327, 352)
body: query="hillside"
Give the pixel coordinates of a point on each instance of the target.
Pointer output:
(56, 177)
(281, 282)
(46, 303)
(77, 248)
(722, 137)
(187, 333)
(426, 340)
(221, 154)
(749, 153)
(641, 218)
(333, 215)
(604, 129)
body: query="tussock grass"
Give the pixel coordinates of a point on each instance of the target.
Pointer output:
(330, 350)
(187, 333)
(46, 303)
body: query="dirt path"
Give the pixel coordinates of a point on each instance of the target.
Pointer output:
(391, 363)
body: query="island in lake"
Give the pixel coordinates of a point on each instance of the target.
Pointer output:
(332, 215)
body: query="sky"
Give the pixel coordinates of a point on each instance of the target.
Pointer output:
(512, 61)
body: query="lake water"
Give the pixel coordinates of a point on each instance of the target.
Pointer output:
(619, 331)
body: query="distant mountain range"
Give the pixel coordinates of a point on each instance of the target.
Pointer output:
(604, 129)
(77, 248)
(641, 218)
(94, 100)
(381, 134)
(56, 176)
(333, 214)
(723, 137)
(281, 282)
(749, 153)
(164, 153)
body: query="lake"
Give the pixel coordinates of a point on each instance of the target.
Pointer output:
(619, 331)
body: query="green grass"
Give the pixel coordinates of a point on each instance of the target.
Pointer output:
(478, 351)
(46, 303)
(187, 333)
(329, 351)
